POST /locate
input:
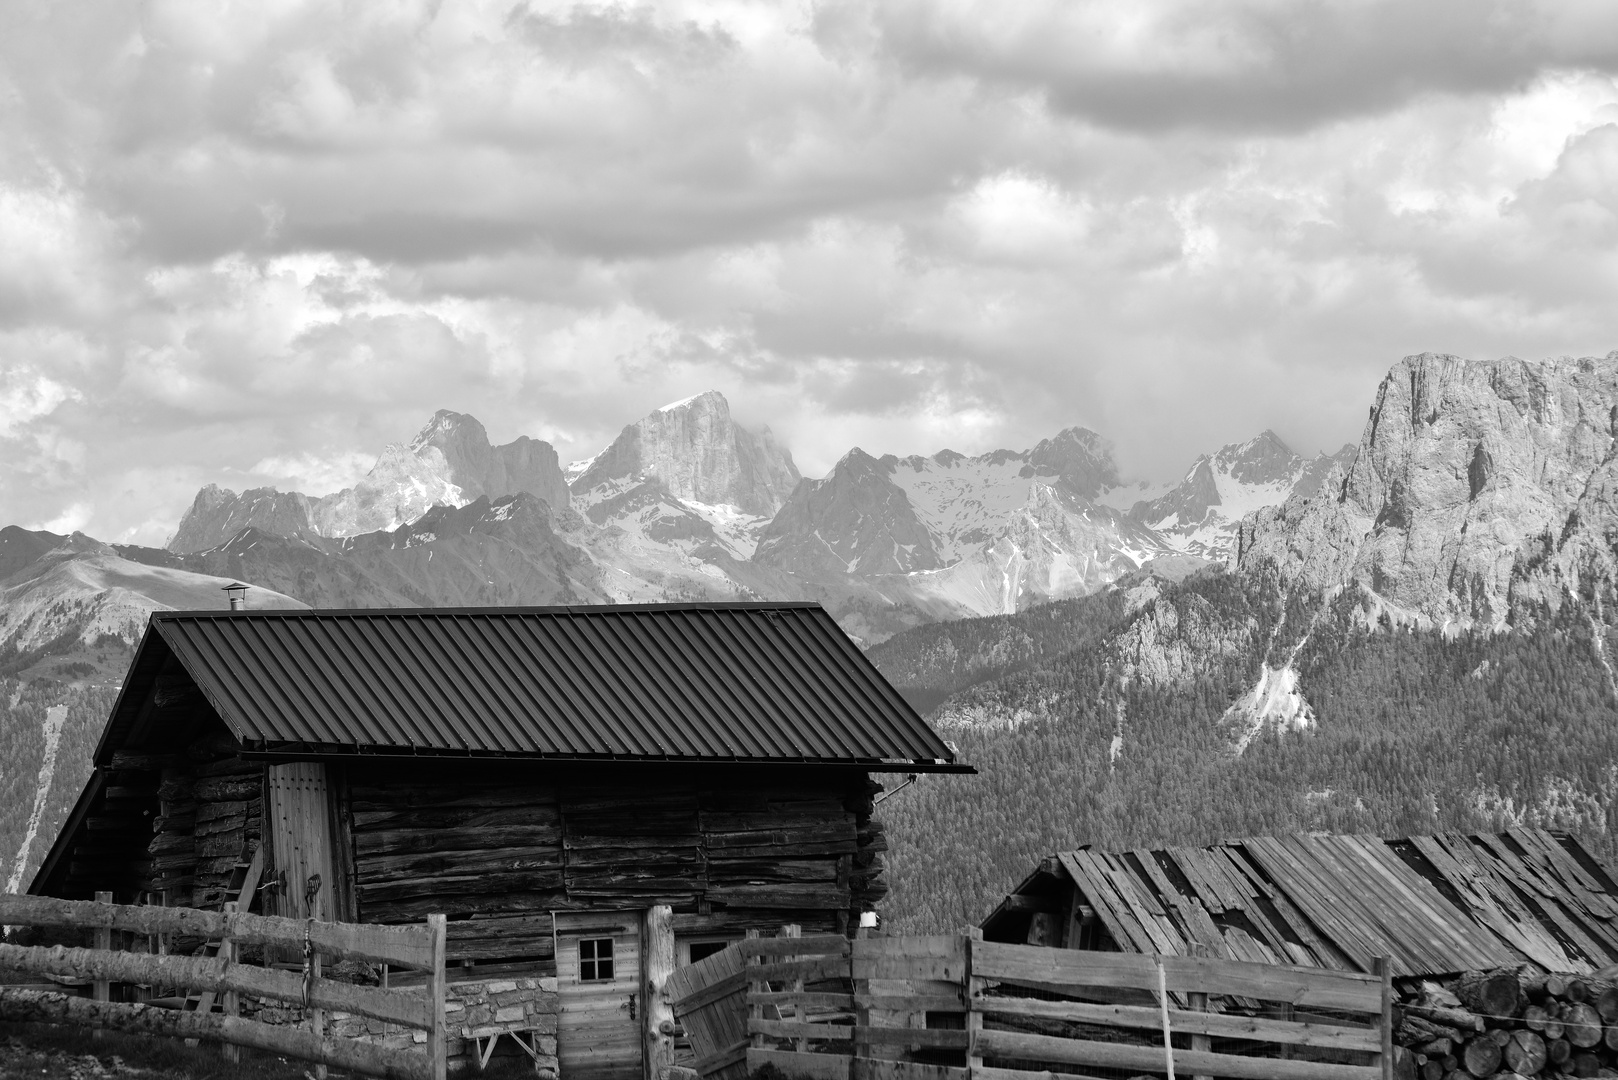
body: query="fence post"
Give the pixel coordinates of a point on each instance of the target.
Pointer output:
(1382, 968)
(973, 988)
(1198, 1002)
(231, 1004)
(437, 927)
(1163, 1008)
(657, 961)
(103, 940)
(857, 1070)
(754, 1012)
(792, 930)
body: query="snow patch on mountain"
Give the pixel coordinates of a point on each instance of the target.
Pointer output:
(1202, 514)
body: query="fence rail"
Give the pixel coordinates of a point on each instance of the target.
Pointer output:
(414, 946)
(960, 1008)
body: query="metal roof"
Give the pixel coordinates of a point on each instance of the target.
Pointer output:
(715, 682)
(1436, 904)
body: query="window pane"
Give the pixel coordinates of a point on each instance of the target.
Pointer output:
(595, 960)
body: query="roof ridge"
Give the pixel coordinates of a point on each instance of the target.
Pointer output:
(536, 609)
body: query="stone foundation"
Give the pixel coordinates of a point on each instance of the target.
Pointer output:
(472, 1011)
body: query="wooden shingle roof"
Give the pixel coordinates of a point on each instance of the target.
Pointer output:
(1436, 904)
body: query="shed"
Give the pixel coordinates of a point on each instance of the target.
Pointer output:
(1438, 905)
(542, 776)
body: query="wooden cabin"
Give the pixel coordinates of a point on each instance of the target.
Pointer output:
(1438, 905)
(542, 776)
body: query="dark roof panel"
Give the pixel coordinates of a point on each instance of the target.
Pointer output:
(748, 682)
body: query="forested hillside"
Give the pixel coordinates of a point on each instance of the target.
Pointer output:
(1415, 733)
(48, 730)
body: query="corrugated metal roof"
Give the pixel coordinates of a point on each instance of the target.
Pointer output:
(1436, 904)
(723, 682)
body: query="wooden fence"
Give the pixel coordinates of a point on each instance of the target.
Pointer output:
(960, 1008)
(407, 946)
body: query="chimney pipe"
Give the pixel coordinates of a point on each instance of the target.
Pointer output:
(238, 595)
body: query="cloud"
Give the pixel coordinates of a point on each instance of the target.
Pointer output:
(1257, 65)
(252, 244)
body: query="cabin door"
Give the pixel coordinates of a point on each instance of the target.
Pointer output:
(598, 979)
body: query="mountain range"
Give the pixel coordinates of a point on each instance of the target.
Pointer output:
(1421, 642)
(1249, 613)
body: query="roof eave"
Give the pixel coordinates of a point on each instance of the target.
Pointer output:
(264, 751)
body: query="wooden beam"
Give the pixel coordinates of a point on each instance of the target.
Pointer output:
(657, 964)
(216, 975)
(406, 945)
(1019, 903)
(1013, 1044)
(436, 986)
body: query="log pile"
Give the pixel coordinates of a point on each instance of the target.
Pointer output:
(1512, 1023)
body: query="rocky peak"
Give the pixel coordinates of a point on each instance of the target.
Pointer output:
(1081, 458)
(448, 463)
(1263, 460)
(1462, 467)
(696, 452)
(478, 468)
(856, 520)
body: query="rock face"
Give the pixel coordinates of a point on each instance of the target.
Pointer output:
(477, 468)
(697, 453)
(1472, 479)
(856, 521)
(449, 463)
(992, 533)
(1201, 516)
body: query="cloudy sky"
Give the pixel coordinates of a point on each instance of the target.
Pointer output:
(251, 241)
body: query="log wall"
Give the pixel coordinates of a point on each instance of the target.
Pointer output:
(498, 852)
(210, 818)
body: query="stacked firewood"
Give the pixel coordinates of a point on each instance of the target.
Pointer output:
(1511, 1023)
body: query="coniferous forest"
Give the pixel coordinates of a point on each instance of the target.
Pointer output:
(1414, 733)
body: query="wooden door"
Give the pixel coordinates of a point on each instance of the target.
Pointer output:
(598, 979)
(301, 839)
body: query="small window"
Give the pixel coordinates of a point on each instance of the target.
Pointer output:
(701, 950)
(595, 959)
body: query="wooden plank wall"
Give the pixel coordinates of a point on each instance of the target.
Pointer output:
(498, 856)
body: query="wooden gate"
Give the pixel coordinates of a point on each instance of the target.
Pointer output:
(710, 1000)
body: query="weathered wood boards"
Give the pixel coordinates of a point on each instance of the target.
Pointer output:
(598, 978)
(926, 979)
(498, 856)
(302, 839)
(1436, 904)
